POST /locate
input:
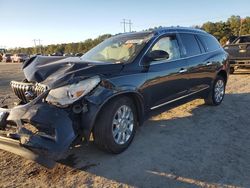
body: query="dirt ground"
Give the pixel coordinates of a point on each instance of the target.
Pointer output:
(190, 146)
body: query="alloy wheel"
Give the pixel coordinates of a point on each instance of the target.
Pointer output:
(219, 91)
(123, 124)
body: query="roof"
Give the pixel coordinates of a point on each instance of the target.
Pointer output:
(163, 30)
(178, 29)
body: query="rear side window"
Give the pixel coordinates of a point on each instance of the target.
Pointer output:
(244, 39)
(191, 46)
(209, 42)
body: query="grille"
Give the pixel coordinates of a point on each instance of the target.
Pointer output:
(27, 91)
(39, 89)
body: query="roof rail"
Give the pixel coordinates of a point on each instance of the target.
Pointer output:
(177, 28)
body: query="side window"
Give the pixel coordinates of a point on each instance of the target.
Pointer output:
(190, 44)
(168, 44)
(209, 42)
(245, 39)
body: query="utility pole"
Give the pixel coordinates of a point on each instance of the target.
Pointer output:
(37, 45)
(130, 24)
(241, 22)
(40, 46)
(34, 40)
(125, 23)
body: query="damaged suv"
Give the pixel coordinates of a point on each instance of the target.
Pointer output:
(110, 90)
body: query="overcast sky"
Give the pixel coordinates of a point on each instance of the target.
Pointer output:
(61, 21)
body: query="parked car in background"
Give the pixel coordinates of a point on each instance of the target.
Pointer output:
(231, 39)
(6, 57)
(2, 51)
(21, 57)
(78, 54)
(111, 90)
(239, 53)
(68, 55)
(56, 54)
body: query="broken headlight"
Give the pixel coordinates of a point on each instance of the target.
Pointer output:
(68, 94)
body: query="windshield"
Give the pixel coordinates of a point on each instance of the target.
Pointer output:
(118, 49)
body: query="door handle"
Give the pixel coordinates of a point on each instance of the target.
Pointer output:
(182, 70)
(209, 63)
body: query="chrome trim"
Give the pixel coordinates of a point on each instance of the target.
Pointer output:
(160, 62)
(168, 102)
(182, 70)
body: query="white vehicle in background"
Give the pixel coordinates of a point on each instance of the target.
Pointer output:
(21, 57)
(6, 58)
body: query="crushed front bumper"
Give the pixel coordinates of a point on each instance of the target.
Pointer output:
(53, 133)
(13, 146)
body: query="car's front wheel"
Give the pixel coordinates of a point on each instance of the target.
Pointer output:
(217, 92)
(115, 126)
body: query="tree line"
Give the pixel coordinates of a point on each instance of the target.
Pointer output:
(234, 26)
(76, 47)
(223, 31)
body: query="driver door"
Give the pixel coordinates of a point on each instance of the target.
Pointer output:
(167, 79)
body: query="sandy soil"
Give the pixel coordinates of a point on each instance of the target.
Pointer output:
(190, 146)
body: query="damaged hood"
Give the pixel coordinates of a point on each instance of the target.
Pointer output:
(58, 71)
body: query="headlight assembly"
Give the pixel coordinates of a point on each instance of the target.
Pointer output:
(68, 94)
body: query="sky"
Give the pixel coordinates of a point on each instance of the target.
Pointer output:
(64, 21)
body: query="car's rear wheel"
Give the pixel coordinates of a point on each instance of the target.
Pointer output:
(115, 126)
(217, 92)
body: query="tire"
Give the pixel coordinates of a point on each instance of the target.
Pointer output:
(107, 128)
(215, 98)
(231, 70)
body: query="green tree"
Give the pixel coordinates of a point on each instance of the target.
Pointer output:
(234, 22)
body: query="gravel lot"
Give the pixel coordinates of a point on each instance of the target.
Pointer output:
(190, 146)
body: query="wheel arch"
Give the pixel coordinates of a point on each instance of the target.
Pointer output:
(137, 99)
(223, 73)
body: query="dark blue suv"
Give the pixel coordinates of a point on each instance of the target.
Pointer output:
(111, 90)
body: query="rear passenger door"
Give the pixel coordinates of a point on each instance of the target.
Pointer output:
(200, 71)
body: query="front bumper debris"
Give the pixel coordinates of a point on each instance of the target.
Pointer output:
(46, 144)
(14, 146)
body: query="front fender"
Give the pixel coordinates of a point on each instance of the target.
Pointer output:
(97, 100)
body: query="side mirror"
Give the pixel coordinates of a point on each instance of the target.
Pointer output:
(156, 55)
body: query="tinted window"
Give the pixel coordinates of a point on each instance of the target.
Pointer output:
(209, 42)
(170, 45)
(191, 46)
(245, 39)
